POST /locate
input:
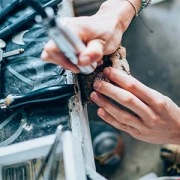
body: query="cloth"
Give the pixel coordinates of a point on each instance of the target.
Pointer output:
(25, 73)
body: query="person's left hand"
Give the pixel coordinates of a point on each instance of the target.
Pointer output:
(156, 119)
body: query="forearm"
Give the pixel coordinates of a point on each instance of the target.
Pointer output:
(120, 10)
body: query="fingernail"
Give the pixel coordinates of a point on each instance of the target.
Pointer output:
(84, 58)
(106, 71)
(75, 71)
(44, 55)
(97, 85)
(100, 63)
(101, 113)
(95, 97)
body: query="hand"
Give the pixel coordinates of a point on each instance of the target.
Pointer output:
(101, 34)
(156, 119)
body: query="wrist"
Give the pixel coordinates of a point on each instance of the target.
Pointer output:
(121, 11)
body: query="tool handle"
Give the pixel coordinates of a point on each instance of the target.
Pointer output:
(10, 29)
(52, 93)
(10, 7)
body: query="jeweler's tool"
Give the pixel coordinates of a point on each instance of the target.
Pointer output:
(6, 55)
(48, 94)
(13, 53)
(12, 28)
(66, 41)
(46, 167)
(10, 7)
(9, 54)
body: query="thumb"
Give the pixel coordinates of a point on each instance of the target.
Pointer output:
(93, 53)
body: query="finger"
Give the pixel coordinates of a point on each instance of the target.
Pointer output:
(124, 98)
(51, 47)
(119, 114)
(58, 57)
(111, 120)
(100, 63)
(47, 57)
(93, 53)
(132, 85)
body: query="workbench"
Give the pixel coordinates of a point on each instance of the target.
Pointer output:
(26, 73)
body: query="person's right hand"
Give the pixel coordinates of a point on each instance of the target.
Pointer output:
(101, 34)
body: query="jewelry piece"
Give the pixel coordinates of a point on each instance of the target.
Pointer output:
(145, 3)
(133, 7)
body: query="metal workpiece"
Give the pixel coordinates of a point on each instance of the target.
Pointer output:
(67, 42)
(48, 94)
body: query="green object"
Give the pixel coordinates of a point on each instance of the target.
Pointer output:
(145, 3)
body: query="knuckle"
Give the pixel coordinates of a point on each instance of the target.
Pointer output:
(153, 121)
(111, 49)
(128, 100)
(103, 87)
(154, 118)
(161, 103)
(51, 47)
(112, 73)
(104, 104)
(131, 85)
(123, 127)
(134, 132)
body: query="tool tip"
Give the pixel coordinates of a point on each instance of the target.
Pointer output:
(21, 50)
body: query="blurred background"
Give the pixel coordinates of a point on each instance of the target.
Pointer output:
(154, 60)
